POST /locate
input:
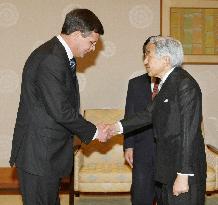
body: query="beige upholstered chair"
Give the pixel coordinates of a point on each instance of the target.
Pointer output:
(100, 167)
(212, 168)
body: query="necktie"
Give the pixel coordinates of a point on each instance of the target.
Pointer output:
(155, 89)
(75, 81)
(73, 66)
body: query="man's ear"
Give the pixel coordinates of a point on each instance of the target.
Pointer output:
(76, 34)
(167, 60)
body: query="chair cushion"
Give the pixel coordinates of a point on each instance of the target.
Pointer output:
(211, 175)
(105, 173)
(211, 179)
(104, 187)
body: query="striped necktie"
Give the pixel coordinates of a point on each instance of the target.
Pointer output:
(155, 89)
(73, 66)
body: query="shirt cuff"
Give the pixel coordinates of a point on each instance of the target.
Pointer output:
(96, 134)
(191, 175)
(119, 127)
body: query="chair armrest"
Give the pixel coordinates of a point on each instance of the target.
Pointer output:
(78, 162)
(212, 159)
(212, 148)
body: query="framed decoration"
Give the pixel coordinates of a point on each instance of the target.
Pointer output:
(195, 24)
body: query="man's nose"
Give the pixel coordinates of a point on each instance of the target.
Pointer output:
(93, 48)
(145, 60)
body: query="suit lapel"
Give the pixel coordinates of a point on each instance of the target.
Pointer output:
(77, 93)
(60, 51)
(148, 87)
(167, 90)
(168, 84)
(145, 88)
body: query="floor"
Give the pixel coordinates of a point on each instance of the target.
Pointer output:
(91, 200)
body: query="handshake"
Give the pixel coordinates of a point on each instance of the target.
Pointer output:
(106, 131)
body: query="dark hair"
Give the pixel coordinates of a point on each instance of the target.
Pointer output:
(146, 43)
(82, 20)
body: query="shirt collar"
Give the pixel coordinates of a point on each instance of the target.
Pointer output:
(167, 74)
(165, 77)
(66, 47)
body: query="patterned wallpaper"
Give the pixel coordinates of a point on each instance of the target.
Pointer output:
(103, 75)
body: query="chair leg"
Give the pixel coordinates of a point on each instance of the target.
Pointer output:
(71, 199)
(71, 188)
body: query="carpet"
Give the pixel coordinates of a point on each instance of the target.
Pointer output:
(123, 200)
(91, 200)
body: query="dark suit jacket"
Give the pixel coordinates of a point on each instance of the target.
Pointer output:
(48, 114)
(176, 114)
(142, 140)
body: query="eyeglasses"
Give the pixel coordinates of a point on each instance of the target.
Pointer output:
(92, 43)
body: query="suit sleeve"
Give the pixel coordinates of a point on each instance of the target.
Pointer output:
(129, 111)
(190, 105)
(138, 120)
(55, 98)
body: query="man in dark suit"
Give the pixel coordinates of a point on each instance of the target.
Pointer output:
(176, 115)
(48, 113)
(139, 146)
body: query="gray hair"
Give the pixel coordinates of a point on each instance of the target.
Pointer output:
(168, 46)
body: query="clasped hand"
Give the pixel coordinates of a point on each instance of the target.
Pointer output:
(105, 132)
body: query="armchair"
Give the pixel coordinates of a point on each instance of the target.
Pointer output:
(212, 168)
(212, 165)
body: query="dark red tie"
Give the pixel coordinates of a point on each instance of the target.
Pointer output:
(155, 89)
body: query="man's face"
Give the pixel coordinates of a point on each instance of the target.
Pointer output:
(85, 45)
(154, 66)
